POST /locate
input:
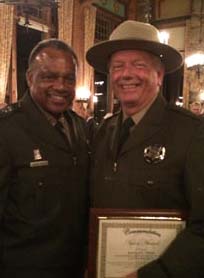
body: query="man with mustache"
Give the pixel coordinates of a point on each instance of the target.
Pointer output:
(43, 172)
(160, 165)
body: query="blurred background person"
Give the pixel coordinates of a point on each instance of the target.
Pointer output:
(196, 107)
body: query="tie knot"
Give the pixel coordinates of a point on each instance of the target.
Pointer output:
(59, 126)
(128, 123)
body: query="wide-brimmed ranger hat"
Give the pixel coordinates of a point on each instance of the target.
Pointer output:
(133, 35)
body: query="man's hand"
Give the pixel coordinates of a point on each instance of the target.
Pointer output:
(132, 275)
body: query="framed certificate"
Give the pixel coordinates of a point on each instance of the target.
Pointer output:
(121, 241)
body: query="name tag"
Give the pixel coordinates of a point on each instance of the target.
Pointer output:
(39, 163)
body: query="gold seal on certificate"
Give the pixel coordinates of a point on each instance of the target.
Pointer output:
(122, 241)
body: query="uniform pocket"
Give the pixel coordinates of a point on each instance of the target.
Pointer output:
(35, 192)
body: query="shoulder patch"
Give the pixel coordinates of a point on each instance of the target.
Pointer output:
(9, 109)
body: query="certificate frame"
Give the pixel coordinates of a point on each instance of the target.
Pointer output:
(96, 257)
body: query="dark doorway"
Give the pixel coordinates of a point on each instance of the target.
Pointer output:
(173, 85)
(27, 38)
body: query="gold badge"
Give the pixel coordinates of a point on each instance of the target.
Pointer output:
(154, 154)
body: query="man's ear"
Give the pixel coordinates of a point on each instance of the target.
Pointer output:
(161, 73)
(29, 77)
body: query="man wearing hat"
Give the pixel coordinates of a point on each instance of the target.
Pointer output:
(149, 156)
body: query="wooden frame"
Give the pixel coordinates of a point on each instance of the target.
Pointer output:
(119, 219)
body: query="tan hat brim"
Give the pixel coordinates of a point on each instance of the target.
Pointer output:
(98, 56)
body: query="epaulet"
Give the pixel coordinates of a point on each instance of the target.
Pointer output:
(110, 116)
(9, 109)
(182, 111)
(74, 114)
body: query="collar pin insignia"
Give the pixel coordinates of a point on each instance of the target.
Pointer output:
(37, 154)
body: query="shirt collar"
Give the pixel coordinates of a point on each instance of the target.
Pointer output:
(51, 119)
(137, 117)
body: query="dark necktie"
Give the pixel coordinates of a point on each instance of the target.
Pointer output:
(66, 131)
(61, 130)
(124, 132)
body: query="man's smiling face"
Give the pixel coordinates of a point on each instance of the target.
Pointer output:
(52, 80)
(135, 77)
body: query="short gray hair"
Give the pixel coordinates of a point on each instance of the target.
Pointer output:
(51, 43)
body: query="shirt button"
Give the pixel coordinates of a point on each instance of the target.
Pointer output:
(150, 183)
(40, 183)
